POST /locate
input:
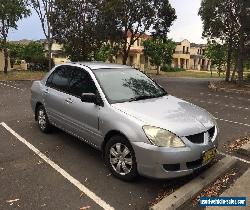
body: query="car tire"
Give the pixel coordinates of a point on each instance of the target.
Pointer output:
(120, 158)
(42, 119)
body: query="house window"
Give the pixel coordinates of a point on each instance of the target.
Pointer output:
(187, 49)
(183, 50)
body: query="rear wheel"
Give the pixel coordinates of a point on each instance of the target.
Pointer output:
(120, 158)
(42, 120)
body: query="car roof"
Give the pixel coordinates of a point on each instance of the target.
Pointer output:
(94, 65)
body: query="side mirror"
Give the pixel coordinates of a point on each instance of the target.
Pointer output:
(88, 98)
(91, 98)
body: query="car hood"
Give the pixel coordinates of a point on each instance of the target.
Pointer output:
(169, 112)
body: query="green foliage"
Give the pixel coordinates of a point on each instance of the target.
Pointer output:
(74, 26)
(32, 53)
(168, 68)
(28, 52)
(228, 21)
(165, 16)
(159, 52)
(83, 26)
(10, 12)
(217, 53)
(104, 53)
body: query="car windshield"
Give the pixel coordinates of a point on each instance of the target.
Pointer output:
(122, 85)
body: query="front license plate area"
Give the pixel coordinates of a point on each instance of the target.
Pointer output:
(208, 156)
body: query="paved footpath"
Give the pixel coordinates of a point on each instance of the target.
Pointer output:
(241, 188)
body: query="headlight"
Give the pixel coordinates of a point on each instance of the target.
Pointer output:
(162, 138)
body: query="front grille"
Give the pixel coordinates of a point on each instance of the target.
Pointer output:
(196, 138)
(172, 167)
(194, 164)
(211, 132)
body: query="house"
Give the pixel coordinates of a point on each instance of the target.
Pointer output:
(136, 56)
(186, 55)
(57, 53)
(2, 60)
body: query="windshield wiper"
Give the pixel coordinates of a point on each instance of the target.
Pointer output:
(137, 98)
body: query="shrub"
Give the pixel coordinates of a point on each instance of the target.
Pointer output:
(171, 69)
(39, 64)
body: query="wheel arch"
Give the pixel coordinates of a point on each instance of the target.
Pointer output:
(108, 136)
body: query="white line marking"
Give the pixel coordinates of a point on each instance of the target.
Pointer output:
(243, 160)
(11, 86)
(61, 171)
(239, 123)
(215, 103)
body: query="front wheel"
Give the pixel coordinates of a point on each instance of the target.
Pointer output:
(120, 158)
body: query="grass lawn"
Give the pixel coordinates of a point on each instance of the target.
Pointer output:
(37, 75)
(190, 73)
(22, 75)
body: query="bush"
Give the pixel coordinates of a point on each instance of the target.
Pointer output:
(171, 69)
(39, 64)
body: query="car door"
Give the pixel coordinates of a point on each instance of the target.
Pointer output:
(56, 97)
(84, 116)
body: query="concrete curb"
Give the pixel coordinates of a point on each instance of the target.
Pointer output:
(186, 192)
(245, 149)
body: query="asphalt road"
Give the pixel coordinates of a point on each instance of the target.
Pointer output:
(25, 176)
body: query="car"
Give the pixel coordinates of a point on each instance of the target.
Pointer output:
(139, 127)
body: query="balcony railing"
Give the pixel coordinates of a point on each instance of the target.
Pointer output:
(181, 52)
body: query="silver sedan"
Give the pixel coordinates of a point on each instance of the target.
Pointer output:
(138, 126)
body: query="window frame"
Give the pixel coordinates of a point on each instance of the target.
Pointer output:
(52, 75)
(82, 69)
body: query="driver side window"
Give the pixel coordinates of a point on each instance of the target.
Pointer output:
(80, 82)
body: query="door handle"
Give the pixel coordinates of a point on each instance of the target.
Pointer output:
(69, 100)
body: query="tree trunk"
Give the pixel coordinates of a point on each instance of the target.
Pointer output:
(229, 58)
(6, 55)
(241, 58)
(49, 53)
(233, 74)
(235, 68)
(158, 70)
(124, 58)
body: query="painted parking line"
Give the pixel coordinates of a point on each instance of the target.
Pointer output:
(229, 121)
(237, 158)
(1, 83)
(225, 96)
(215, 103)
(61, 171)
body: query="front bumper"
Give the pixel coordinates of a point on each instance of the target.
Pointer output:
(162, 162)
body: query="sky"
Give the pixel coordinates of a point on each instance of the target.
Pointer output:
(187, 26)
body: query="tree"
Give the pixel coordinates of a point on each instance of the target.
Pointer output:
(44, 9)
(228, 21)
(10, 12)
(74, 25)
(135, 17)
(32, 51)
(217, 53)
(159, 52)
(15, 52)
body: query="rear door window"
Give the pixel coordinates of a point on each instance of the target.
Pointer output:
(59, 79)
